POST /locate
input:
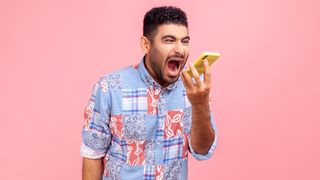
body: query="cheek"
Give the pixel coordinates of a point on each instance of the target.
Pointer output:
(165, 49)
(159, 57)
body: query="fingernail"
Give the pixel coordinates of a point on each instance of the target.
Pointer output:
(185, 68)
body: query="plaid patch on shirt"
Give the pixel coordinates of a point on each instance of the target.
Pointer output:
(149, 172)
(118, 149)
(153, 172)
(134, 101)
(173, 148)
(160, 130)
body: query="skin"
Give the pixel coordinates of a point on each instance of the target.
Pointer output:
(202, 134)
(171, 41)
(92, 169)
(157, 53)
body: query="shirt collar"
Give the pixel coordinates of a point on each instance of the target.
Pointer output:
(150, 82)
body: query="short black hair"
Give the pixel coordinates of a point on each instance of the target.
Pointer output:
(162, 15)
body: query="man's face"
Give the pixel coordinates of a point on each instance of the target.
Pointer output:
(168, 53)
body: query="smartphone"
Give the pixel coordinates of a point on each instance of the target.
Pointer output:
(198, 64)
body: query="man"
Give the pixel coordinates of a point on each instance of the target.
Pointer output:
(142, 120)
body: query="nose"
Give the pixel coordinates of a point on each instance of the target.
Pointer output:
(179, 49)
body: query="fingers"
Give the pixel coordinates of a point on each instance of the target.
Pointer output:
(207, 73)
(187, 81)
(191, 85)
(196, 76)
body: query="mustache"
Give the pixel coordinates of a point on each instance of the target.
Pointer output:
(177, 56)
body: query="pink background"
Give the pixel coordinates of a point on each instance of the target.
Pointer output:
(265, 87)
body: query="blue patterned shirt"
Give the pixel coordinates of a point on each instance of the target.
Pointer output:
(141, 130)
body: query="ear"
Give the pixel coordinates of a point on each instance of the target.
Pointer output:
(145, 44)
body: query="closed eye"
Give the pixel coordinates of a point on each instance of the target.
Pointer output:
(186, 40)
(169, 40)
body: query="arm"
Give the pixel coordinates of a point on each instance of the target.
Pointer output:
(96, 135)
(92, 169)
(202, 133)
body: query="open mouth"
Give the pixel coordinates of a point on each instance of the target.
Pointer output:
(174, 64)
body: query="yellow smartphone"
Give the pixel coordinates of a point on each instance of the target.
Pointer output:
(198, 64)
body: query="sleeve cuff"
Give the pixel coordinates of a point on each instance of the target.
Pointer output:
(201, 156)
(90, 153)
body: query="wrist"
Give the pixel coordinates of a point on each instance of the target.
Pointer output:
(201, 107)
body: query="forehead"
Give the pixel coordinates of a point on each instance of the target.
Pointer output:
(178, 31)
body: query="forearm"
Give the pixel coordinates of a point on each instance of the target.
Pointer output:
(202, 133)
(92, 169)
